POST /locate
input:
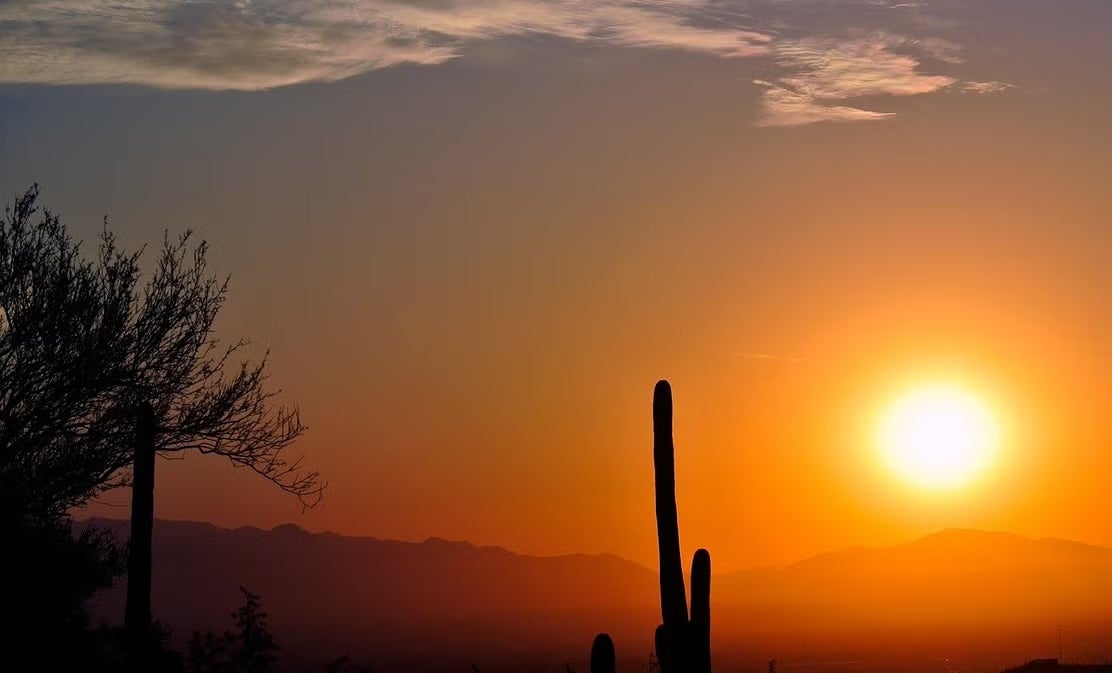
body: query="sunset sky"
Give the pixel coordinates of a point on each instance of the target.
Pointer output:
(474, 233)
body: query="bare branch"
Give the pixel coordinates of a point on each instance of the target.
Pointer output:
(81, 343)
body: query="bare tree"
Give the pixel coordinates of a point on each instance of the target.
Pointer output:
(202, 399)
(83, 343)
(64, 332)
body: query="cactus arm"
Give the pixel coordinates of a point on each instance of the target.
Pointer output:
(700, 610)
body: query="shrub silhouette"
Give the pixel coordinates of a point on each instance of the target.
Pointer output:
(50, 574)
(683, 639)
(248, 648)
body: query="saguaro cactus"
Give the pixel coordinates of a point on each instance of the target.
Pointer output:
(683, 640)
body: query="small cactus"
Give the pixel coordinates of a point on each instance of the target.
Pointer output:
(602, 654)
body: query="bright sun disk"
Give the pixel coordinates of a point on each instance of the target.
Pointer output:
(938, 436)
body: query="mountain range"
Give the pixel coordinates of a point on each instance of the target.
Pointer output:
(446, 604)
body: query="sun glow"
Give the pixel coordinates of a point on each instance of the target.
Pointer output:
(938, 436)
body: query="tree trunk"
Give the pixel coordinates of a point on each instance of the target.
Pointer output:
(137, 617)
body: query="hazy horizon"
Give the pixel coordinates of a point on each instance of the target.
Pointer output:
(118, 522)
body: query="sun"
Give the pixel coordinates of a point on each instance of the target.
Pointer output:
(938, 436)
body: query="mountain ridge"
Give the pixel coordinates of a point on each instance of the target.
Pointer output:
(946, 534)
(449, 600)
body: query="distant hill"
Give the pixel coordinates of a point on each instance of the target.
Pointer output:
(389, 600)
(453, 602)
(952, 577)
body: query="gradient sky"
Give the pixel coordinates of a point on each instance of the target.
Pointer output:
(474, 233)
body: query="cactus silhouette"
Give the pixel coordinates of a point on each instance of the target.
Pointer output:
(602, 654)
(683, 639)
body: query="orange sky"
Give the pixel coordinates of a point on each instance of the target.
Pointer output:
(527, 424)
(472, 273)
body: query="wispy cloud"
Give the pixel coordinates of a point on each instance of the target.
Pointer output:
(986, 87)
(822, 72)
(782, 106)
(258, 44)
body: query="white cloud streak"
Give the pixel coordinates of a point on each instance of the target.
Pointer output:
(986, 87)
(261, 44)
(824, 72)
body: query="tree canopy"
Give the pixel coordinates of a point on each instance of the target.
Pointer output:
(85, 340)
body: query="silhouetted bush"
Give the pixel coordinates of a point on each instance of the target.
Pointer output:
(50, 574)
(249, 647)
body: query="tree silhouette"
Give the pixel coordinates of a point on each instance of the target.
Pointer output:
(99, 373)
(63, 352)
(83, 344)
